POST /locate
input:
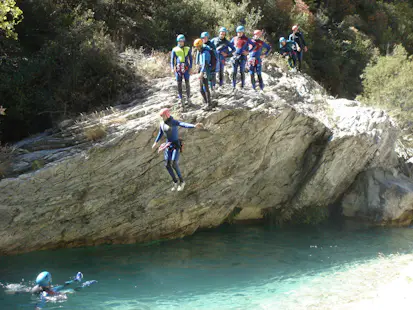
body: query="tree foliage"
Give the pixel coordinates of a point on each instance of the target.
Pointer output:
(10, 16)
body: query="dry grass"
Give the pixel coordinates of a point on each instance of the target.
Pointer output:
(149, 66)
(116, 121)
(95, 132)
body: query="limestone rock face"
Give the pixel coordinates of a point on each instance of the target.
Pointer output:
(381, 197)
(289, 149)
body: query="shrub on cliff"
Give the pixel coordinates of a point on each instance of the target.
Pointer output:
(388, 84)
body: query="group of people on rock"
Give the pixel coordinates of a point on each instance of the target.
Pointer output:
(212, 54)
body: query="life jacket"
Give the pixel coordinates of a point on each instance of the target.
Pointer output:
(258, 45)
(181, 53)
(240, 42)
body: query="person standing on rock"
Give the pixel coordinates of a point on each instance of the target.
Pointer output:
(211, 45)
(224, 49)
(181, 64)
(255, 58)
(298, 38)
(241, 44)
(288, 49)
(173, 146)
(205, 63)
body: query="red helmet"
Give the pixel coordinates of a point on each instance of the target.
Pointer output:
(165, 112)
(295, 27)
(257, 33)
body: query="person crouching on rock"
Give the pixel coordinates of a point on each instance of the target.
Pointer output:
(172, 147)
(288, 49)
(181, 64)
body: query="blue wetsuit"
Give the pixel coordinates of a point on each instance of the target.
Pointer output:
(298, 38)
(223, 46)
(255, 61)
(181, 62)
(44, 293)
(289, 50)
(241, 45)
(171, 154)
(204, 61)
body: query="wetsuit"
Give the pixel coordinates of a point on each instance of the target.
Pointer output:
(289, 50)
(181, 62)
(222, 46)
(204, 62)
(298, 38)
(48, 292)
(171, 154)
(212, 76)
(255, 61)
(241, 45)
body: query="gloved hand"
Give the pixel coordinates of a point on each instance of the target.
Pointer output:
(79, 277)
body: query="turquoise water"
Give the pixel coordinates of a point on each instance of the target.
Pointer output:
(237, 267)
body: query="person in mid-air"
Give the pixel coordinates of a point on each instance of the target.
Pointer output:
(181, 64)
(255, 58)
(173, 146)
(298, 38)
(241, 44)
(224, 49)
(288, 49)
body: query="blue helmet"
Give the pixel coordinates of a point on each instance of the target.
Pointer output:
(240, 29)
(180, 37)
(282, 39)
(44, 278)
(223, 29)
(204, 35)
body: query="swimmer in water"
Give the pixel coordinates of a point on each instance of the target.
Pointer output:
(44, 286)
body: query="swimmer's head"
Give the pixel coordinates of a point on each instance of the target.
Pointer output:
(44, 279)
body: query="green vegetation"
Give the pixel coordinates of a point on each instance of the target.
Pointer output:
(70, 55)
(388, 83)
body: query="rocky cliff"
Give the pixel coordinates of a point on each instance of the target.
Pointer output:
(289, 153)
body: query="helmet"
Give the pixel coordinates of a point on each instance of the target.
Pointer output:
(44, 278)
(198, 43)
(165, 112)
(282, 39)
(257, 33)
(240, 29)
(223, 29)
(295, 27)
(180, 37)
(204, 35)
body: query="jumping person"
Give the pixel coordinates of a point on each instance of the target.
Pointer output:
(169, 128)
(255, 58)
(298, 38)
(241, 44)
(181, 64)
(224, 49)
